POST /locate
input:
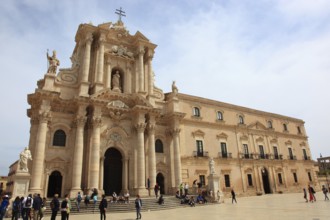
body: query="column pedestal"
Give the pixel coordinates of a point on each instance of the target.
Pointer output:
(214, 186)
(21, 182)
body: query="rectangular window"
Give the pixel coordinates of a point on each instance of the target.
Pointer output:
(246, 150)
(295, 178)
(227, 180)
(249, 176)
(280, 181)
(309, 176)
(219, 116)
(305, 154)
(202, 180)
(223, 150)
(262, 152)
(290, 153)
(276, 157)
(199, 145)
(285, 127)
(299, 130)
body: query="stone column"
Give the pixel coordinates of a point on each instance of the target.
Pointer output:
(141, 70)
(177, 156)
(140, 156)
(151, 75)
(152, 153)
(100, 64)
(125, 175)
(95, 154)
(128, 80)
(83, 90)
(78, 155)
(101, 174)
(108, 75)
(39, 153)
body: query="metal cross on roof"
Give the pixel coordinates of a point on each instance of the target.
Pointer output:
(120, 13)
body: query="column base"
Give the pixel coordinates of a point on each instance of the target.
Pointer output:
(83, 89)
(36, 191)
(74, 193)
(142, 192)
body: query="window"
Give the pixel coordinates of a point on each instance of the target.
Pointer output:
(275, 153)
(270, 124)
(219, 116)
(285, 127)
(246, 150)
(309, 176)
(196, 112)
(199, 145)
(305, 154)
(202, 180)
(159, 146)
(59, 138)
(227, 180)
(249, 176)
(299, 130)
(280, 181)
(290, 153)
(262, 153)
(295, 178)
(241, 119)
(223, 150)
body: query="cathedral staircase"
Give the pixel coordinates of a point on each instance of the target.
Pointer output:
(148, 204)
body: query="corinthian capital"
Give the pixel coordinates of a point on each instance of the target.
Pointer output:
(151, 129)
(140, 127)
(80, 121)
(97, 121)
(45, 116)
(89, 38)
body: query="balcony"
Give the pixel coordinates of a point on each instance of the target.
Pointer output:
(306, 158)
(291, 157)
(200, 153)
(278, 157)
(225, 155)
(246, 156)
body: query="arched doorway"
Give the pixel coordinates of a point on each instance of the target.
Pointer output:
(112, 181)
(54, 184)
(265, 180)
(161, 182)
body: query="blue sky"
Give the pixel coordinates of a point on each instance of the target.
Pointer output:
(270, 55)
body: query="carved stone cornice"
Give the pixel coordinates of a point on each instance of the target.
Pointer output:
(140, 127)
(80, 121)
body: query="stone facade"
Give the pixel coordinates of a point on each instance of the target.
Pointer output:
(103, 124)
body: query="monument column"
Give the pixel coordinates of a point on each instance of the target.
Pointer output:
(141, 70)
(152, 153)
(177, 157)
(83, 90)
(140, 127)
(94, 168)
(100, 64)
(39, 153)
(78, 155)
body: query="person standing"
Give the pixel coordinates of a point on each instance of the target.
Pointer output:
(64, 209)
(27, 206)
(218, 196)
(138, 205)
(156, 189)
(36, 206)
(103, 207)
(43, 208)
(311, 193)
(186, 188)
(325, 192)
(3, 206)
(305, 194)
(148, 186)
(233, 196)
(55, 206)
(16, 208)
(78, 201)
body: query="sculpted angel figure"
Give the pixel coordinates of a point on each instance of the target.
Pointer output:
(53, 63)
(24, 156)
(174, 88)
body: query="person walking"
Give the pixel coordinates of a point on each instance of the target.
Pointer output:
(138, 205)
(103, 208)
(78, 201)
(325, 192)
(4, 206)
(305, 194)
(64, 209)
(156, 189)
(16, 208)
(55, 206)
(27, 206)
(233, 196)
(37, 201)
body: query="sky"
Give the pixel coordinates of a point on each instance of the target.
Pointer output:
(270, 55)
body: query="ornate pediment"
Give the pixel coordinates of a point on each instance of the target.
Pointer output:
(117, 104)
(222, 135)
(56, 160)
(260, 139)
(257, 125)
(198, 133)
(244, 137)
(288, 142)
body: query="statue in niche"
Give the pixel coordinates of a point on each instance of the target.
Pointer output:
(211, 164)
(24, 156)
(116, 82)
(53, 62)
(174, 88)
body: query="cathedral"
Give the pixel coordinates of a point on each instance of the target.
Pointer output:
(103, 124)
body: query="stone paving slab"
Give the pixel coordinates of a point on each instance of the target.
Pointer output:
(265, 207)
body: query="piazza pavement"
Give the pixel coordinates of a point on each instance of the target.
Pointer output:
(265, 207)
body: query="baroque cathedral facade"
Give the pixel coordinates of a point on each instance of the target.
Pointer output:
(103, 124)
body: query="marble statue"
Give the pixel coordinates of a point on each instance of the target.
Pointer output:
(174, 88)
(24, 156)
(116, 82)
(211, 164)
(53, 63)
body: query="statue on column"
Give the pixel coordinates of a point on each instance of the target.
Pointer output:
(53, 62)
(24, 156)
(211, 164)
(174, 89)
(116, 82)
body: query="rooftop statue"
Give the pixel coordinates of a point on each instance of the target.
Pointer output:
(174, 88)
(53, 62)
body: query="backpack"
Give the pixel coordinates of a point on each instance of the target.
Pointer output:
(28, 202)
(52, 205)
(79, 198)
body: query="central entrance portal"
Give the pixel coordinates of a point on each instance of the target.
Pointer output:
(112, 171)
(265, 180)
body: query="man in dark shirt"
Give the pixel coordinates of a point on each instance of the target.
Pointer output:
(36, 206)
(55, 206)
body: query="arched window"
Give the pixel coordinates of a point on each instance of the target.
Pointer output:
(159, 146)
(196, 112)
(59, 138)
(219, 116)
(270, 124)
(241, 119)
